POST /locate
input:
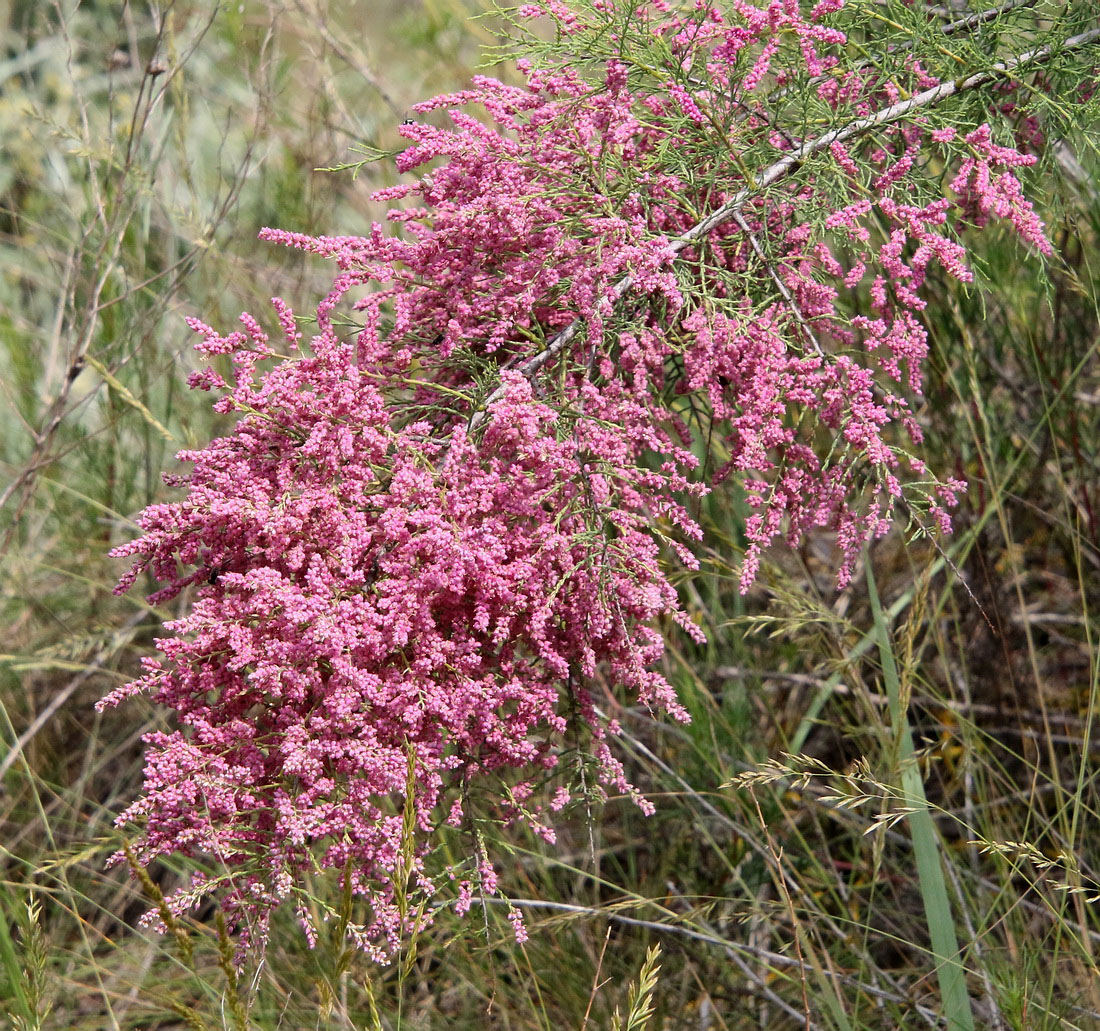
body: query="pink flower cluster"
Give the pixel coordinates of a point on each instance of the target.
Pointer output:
(371, 592)
(426, 543)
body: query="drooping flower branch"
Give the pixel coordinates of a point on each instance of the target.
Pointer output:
(428, 541)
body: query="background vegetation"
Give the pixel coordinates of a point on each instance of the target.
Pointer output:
(144, 146)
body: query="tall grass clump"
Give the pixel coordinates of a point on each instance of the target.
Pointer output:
(624, 363)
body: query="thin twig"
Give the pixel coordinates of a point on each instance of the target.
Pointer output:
(782, 287)
(596, 983)
(972, 21)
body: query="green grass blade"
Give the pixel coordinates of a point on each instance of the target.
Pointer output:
(926, 844)
(11, 972)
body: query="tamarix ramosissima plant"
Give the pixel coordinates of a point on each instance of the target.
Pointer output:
(689, 247)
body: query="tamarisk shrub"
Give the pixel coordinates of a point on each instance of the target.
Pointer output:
(693, 245)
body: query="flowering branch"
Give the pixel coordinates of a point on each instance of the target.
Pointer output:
(785, 165)
(398, 619)
(893, 113)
